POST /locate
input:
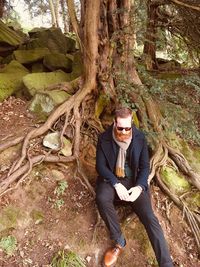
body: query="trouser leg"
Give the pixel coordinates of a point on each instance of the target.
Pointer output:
(142, 207)
(105, 195)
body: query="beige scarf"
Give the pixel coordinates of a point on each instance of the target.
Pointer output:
(123, 146)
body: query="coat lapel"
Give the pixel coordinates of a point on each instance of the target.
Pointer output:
(110, 148)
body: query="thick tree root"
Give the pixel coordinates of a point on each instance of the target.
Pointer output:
(193, 218)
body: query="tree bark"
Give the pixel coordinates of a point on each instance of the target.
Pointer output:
(64, 15)
(57, 12)
(74, 21)
(2, 4)
(53, 13)
(149, 51)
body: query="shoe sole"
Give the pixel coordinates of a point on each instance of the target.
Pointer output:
(113, 265)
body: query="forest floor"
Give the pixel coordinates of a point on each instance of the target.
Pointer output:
(45, 215)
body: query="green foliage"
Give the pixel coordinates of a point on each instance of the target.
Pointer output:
(67, 259)
(60, 189)
(58, 202)
(8, 244)
(124, 89)
(179, 102)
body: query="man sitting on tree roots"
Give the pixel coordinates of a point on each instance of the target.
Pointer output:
(122, 163)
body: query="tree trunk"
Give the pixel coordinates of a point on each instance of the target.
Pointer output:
(2, 4)
(74, 21)
(149, 51)
(53, 13)
(57, 12)
(64, 15)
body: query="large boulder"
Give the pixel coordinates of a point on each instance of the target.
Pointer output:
(52, 38)
(30, 56)
(57, 61)
(36, 82)
(11, 79)
(9, 39)
(44, 102)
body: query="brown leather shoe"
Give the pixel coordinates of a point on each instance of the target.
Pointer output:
(111, 255)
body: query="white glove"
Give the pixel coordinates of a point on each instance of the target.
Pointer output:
(134, 193)
(122, 192)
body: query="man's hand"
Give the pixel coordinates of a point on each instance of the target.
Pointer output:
(134, 193)
(122, 192)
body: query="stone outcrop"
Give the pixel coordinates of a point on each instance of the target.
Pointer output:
(46, 57)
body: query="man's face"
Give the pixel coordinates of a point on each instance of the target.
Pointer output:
(122, 128)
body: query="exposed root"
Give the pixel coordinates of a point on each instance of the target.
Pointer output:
(81, 172)
(159, 159)
(191, 216)
(10, 143)
(184, 166)
(4, 185)
(98, 223)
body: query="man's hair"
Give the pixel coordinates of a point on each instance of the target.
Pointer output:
(122, 112)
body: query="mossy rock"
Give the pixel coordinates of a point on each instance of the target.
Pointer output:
(11, 79)
(30, 56)
(174, 181)
(14, 67)
(58, 96)
(8, 36)
(7, 59)
(57, 61)
(52, 38)
(11, 217)
(36, 82)
(38, 67)
(43, 103)
(52, 141)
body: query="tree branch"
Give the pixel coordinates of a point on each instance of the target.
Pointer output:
(186, 5)
(74, 20)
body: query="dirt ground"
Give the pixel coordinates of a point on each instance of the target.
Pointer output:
(47, 221)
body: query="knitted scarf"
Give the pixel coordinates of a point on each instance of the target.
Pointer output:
(123, 146)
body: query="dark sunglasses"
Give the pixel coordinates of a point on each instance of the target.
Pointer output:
(123, 128)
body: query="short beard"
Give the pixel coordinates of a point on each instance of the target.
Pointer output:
(120, 136)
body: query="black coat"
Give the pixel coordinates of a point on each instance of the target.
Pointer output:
(107, 152)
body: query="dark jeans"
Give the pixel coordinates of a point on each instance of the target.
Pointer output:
(105, 197)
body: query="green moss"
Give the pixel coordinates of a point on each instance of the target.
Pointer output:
(35, 82)
(9, 36)
(137, 232)
(193, 200)
(102, 101)
(11, 79)
(30, 56)
(67, 258)
(8, 244)
(191, 153)
(37, 216)
(9, 217)
(175, 181)
(57, 61)
(169, 76)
